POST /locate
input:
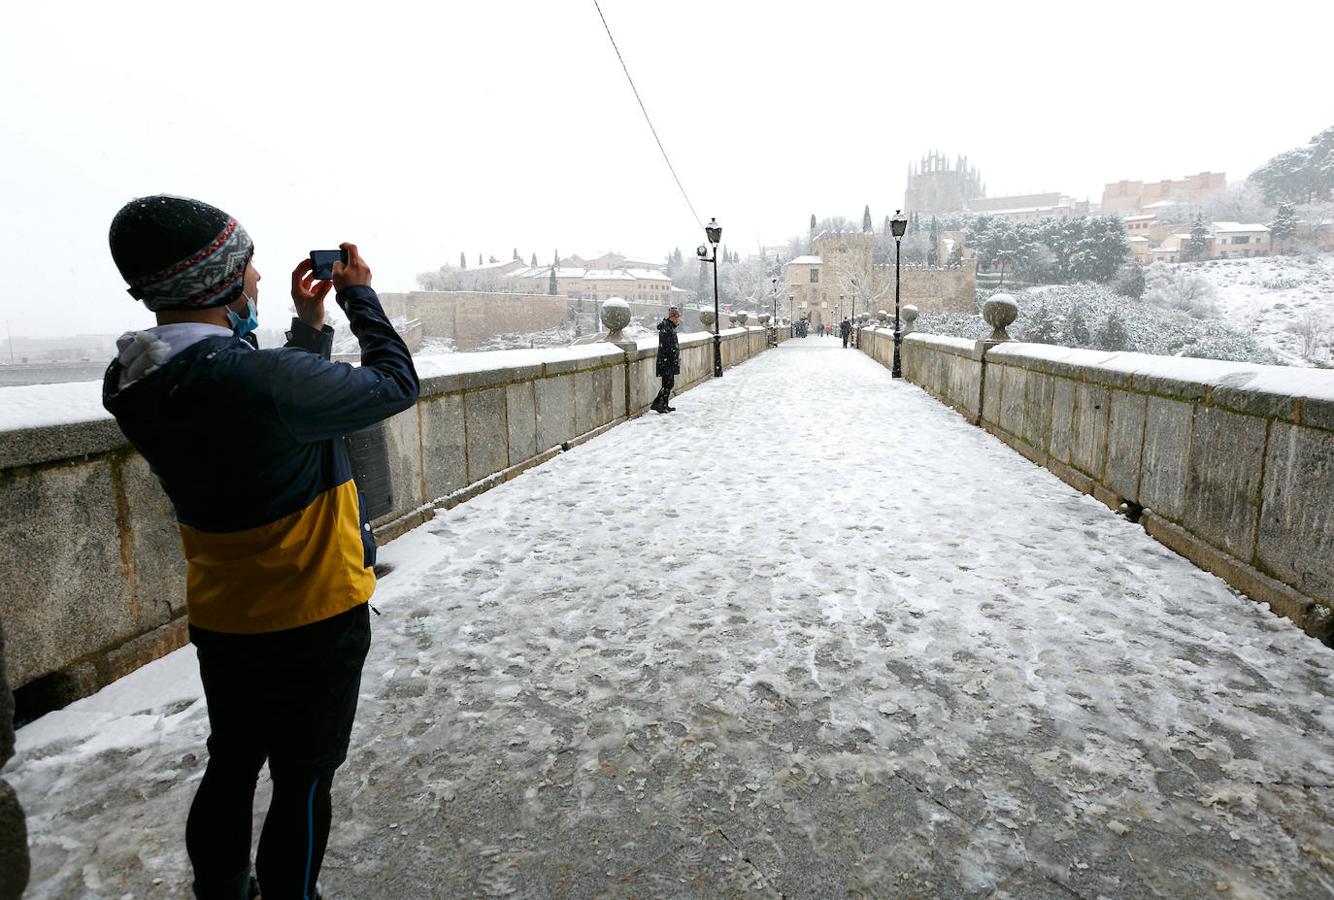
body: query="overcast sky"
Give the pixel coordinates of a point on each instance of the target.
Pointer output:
(420, 130)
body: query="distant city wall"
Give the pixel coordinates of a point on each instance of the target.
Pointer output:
(470, 318)
(91, 561)
(1229, 464)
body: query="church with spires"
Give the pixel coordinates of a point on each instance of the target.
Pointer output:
(937, 185)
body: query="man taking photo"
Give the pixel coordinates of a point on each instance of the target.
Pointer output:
(248, 445)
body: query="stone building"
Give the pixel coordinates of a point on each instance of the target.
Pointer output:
(935, 185)
(1028, 207)
(840, 278)
(1139, 197)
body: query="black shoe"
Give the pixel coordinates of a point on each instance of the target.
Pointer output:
(658, 409)
(671, 409)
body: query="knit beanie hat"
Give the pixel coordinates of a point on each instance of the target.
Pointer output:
(178, 253)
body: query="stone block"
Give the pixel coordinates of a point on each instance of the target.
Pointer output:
(1062, 414)
(1223, 479)
(994, 378)
(444, 451)
(1013, 388)
(1162, 485)
(521, 420)
(618, 390)
(488, 434)
(157, 575)
(403, 440)
(33, 446)
(1125, 443)
(555, 411)
(1088, 428)
(592, 399)
(1039, 391)
(66, 593)
(143, 649)
(1297, 521)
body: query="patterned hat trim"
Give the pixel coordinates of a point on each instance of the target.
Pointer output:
(202, 279)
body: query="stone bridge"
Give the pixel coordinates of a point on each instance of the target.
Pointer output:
(815, 634)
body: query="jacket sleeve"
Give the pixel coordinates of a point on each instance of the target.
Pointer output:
(303, 337)
(318, 400)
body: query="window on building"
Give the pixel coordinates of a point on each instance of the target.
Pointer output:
(1243, 239)
(815, 276)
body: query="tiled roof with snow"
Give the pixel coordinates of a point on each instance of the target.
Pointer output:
(805, 261)
(648, 274)
(607, 275)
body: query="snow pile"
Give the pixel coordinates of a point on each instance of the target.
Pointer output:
(40, 405)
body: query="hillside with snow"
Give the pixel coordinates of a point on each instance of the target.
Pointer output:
(1268, 310)
(1286, 301)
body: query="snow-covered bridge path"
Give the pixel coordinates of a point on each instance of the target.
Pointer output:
(812, 635)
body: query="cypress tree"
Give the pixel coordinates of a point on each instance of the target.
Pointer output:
(463, 260)
(866, 220)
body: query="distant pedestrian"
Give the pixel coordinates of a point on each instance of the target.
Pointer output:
(669, 360)
(845, 329)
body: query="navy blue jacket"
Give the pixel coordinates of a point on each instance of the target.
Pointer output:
(248, 445)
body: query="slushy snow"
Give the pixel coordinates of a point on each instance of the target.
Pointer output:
(812, 634)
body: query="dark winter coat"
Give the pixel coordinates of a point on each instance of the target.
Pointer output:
(249, 447)
(669, 351)
(845, 328)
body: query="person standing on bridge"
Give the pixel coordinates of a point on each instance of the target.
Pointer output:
(669, 360)
(248, 445)
(845, 330)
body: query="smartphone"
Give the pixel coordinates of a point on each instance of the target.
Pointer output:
(323, 260)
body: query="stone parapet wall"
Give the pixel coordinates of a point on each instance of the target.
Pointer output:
(92, 561)
(1229, 464)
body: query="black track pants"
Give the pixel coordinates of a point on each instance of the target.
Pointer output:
(288, 697)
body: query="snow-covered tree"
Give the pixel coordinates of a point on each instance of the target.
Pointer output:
(1076, 329)
(463, 260)
(1177, 287)
(867, 227)
(1130, 280)
(533, 262)
(1284, 226)
(1198, 245)
(1112, 334)
(1043, 329)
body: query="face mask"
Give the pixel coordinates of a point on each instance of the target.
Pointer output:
(241, 327)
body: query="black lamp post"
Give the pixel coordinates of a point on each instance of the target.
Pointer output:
(714, 232)
(899, 225)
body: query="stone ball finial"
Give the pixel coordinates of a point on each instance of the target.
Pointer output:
(615, 315)
(731, 319)
(741, 317)
(909, 316)
(882, 317)
(706, 318)
(1000, 312)
(764, 318)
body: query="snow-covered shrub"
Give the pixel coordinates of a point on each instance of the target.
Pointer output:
(1045, 314)
(1177, 287)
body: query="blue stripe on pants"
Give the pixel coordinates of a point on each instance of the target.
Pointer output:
(310, 837)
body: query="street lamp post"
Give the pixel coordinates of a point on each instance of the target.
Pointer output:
(899, 225)
(714, 232)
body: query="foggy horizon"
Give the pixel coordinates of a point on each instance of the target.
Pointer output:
(432, 132)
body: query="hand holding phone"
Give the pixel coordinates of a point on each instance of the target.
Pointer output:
(321, 263)
(352, 272)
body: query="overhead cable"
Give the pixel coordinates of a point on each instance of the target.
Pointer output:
(643, 109)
